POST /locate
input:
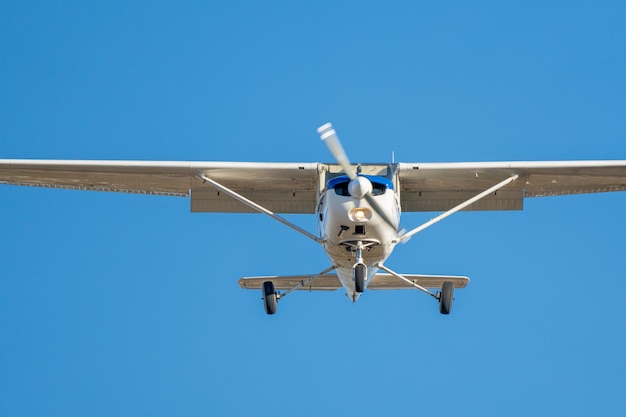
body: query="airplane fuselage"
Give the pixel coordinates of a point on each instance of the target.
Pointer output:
(347, 221)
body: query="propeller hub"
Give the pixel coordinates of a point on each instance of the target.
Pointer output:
(359, 187)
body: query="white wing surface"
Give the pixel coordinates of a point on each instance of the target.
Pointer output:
(293, 187)
(441, 186)
(280, 187)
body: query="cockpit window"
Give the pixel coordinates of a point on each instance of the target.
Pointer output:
(342, 189)
(379, 185)
(378, 188)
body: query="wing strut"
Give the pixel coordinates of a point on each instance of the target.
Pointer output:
(408, 281)
(257, 207)
(457, 208)
(303, 283)
(444, 297)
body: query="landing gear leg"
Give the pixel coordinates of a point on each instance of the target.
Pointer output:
(271, 296)
(444, 297)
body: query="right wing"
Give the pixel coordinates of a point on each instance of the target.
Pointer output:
(279, 187)
(441, 186)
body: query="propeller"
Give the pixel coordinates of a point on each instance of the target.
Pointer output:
(329, 136)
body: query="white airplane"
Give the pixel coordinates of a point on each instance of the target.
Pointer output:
(357, 206)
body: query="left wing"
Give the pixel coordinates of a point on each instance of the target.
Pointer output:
(279, 187)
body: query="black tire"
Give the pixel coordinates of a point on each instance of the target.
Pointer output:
(360, 271)
(270, 300)
(445, 298)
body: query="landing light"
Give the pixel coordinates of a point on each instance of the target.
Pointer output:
(360, 214)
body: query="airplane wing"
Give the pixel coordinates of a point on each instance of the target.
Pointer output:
(441, 186)
(279, 187)
(328, 282)
(293, 187)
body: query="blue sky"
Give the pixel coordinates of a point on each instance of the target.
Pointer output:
(128, 305)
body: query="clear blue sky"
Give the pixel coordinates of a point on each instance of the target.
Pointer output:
(125, 305)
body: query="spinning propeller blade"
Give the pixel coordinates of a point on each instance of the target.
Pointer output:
(329, 136)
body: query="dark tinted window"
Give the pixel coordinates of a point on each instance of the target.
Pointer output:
(342, 189)
(378, 189)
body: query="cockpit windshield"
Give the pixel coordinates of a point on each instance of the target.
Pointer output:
(379, 185)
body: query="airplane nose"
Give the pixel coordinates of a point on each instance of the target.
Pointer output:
(359, 187)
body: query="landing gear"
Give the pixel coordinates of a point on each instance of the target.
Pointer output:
(445, 297)
(360, 274)
(359, 270)
(270, 297)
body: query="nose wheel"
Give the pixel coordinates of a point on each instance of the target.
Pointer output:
(359, 270)
(360, 273)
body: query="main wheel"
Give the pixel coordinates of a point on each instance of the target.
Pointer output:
(270, 299)
(360, 272)
(445, 297)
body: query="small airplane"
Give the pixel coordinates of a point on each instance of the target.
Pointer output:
(357, 207)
